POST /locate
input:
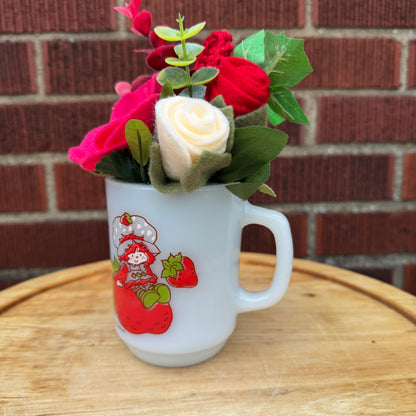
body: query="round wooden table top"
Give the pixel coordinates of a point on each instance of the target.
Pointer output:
(337, 344)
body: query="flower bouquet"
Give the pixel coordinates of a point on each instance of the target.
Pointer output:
(205, 115)
(201, 119)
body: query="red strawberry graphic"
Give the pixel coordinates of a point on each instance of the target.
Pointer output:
(126, 219)
(135, 318)
(179, 271)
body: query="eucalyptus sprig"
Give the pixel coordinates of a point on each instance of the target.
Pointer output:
(187, 54)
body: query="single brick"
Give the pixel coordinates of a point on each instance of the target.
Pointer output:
(56, 16)
(260, 239)
(409, 284)
(366, 233)
(330, 178)
(91, 66)
(412, 65)
(230, 14)
(385, 275)
(22, 188)
(78, 189)
(365, 13)
(409, 177)
(353, 63)
(344, 119)
(17, 73)
(53, 244)
(52, 127)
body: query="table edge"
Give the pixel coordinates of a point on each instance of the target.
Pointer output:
(402, 302)
(29, 288)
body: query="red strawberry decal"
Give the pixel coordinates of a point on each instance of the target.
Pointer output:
(133, 315)
(126, 219)
(179, 271)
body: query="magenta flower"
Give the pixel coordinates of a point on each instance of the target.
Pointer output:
(130, 10)
(139, 104)
(142, 23)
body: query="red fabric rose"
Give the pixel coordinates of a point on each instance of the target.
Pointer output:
(218, 45)
(243, 85)
(101, 141)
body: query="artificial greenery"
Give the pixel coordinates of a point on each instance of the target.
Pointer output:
(285, 62)
(245, 165)
(187, 54)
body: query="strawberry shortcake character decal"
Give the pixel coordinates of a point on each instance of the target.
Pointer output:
(141, 300)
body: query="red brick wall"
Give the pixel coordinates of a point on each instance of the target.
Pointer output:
(347, 182)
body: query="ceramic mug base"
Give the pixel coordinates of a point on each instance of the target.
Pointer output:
(176, 360)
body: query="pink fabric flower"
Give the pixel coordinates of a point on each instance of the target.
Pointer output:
(101, 141)
(130, 10)
(142, 23)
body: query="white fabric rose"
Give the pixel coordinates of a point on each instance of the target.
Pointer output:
(185, 128)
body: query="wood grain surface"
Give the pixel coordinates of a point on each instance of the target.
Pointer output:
(338, 344)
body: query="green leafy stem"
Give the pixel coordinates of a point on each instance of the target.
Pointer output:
(187, 54)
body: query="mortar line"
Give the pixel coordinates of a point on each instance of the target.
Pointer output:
(398, 176)
(50, 186)
(311, 235)
(398, 276)
(308, 16)
(109, 96)
(308, 30)
(304, 150)
(39, 69)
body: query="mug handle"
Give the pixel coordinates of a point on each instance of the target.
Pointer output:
(279, 226)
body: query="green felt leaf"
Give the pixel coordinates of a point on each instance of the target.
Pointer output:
(261, 175)
(274, 118)
(253, 147)
(267, 190)
(204, 75)
(193, 30)
(107, 167)
(157, 175)
(139, 139)
(175, 76)
(218, 101)
(252, 183)
(120, 164)
(252, 48)
(198, 91)
(283, 103)
(257, 117)
(228, 111)
(180, 62)
(192, 50)
(285, 60)
(201, 171)
(243, 190)
(168, 34)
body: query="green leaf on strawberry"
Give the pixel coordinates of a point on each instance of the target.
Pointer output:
(179, 271)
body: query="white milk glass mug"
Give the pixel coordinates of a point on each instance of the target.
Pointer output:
(175, 264)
